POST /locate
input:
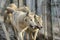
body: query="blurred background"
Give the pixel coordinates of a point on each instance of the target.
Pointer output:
(48, 9)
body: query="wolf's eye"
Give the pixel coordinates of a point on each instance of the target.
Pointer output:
(38, 22)
(31, 19)
(26, 20)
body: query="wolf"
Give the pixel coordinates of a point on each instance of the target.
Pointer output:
(24, 20)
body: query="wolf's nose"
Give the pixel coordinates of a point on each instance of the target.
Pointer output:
(31, 26)
(40, 27)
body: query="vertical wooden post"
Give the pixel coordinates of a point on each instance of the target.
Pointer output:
(28, 3)
(16, 2)
(39, 3)
(36, 6)
(24, 2)
(49, 21)
(20, 3)
(44, 14)
(11, 1)
(31, 5)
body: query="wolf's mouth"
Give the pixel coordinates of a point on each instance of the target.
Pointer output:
(34, 27)
(31, 26)
(39, 27)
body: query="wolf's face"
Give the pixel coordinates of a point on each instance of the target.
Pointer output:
(31, 21)
(39, 21)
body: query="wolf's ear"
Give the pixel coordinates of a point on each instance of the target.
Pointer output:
(27, 14)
